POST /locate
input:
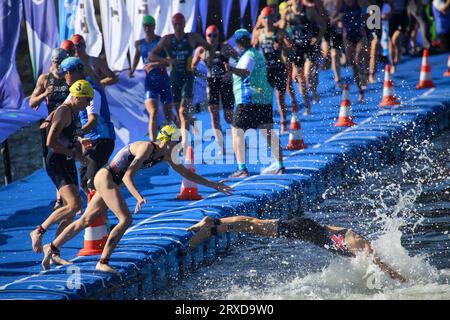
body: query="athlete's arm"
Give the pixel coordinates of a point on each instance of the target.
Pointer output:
(136, 58)
(39, 93)
(109, 77)
(255, 38)
(142, 153)
(59, 122)
(219, 186)
(284, 39)
(161, 46)
(229, 52)
(357, 244)
(198, 55)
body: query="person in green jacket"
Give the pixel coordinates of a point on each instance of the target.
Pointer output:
(253, 96)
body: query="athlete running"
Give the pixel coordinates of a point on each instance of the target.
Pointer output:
(398, 24)
(334, 40)
(157, 85)
(353, 18)
(98, 131)
(335, 239)
(218, 82)
(254, 98)
(64, 149)
(180, 47)
(52, 88)
(308, 28)
(272, 39)
(107, 181)
(96, 68)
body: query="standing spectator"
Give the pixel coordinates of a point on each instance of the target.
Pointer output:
(254, 98)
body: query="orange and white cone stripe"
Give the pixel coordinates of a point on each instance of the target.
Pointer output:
(425, 73)
(95, 236)
(296, 141)
(389, 98)
(447, 73)
(345, 113)
(189, 189)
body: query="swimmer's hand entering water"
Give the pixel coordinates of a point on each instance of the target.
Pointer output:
(388, 269)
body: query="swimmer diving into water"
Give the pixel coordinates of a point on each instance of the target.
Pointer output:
(335, 239)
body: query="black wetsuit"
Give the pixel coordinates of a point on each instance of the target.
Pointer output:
(59, 94)
(216, 87)
(308, 230)
(61, 168)
(276, 69)
(123, 159)
(303, 30)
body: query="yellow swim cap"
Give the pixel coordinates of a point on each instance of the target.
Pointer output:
(82, 89)
(165, 134)
(283, 7)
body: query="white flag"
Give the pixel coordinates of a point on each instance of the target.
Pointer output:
(137, 9)
(86, 25)
(165, 9)
(117, 32)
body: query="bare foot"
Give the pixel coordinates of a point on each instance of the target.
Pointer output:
(393, 67)
(307, 111)
(203, 231)
(47, 257)
(106, 268)
(361, 98)
(36, 241)
(56, 259)
(372, 79)
(316, 97)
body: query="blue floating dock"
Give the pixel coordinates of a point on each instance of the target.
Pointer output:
(153, 252)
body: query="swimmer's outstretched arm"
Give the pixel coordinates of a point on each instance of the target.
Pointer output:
(357, 244)
(239, 224)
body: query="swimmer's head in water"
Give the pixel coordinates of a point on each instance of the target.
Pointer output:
(169, 133)
(82, 89)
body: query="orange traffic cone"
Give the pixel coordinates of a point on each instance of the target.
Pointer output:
(95, 236)
(389, 98)
(295, 135)
(425, 73)
(189, 189)
(447, 73)
(345, 113)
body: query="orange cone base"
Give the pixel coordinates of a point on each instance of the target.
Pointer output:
(296, 145)
(389, 101)
(92, 248)
(189, 194)
(425, 85)
(345, 123)
(447, 73)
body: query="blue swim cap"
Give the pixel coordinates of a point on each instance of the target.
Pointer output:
(71, 64)
(241, 33)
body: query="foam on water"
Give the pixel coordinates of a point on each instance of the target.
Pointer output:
(359, 278)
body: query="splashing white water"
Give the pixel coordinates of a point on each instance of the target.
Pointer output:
(359, 278)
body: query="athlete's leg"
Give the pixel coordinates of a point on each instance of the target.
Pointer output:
(290, 86)
(95, 208)
(64, 215)
(152, 108)
(282, 109)
(374, 45)
(273, 141)
(239, 144)
(361, 66)
(336, 65)
(300, 75)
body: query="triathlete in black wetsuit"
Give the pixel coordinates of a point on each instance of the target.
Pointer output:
(122, 169)
(64, 149)
(335, 239)
(219, 85)
(272, 40)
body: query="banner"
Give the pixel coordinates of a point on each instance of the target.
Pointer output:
(11, 93)
(243, 7)
(67, 11)
(254, 10)
(203, 11)
(117, 33)
(86, 25)
(227, 5)
(42, 31)
(137, 9)
(163, 11)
